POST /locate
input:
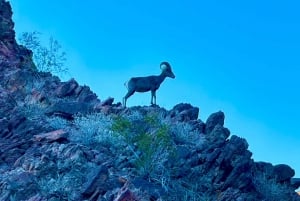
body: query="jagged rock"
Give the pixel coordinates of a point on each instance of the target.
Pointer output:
(16, 121)
(68, 109)
(48, 152)
(37, 97)
(86, 95)
(53, 136)
(283, 172)
(267, 168)
(237, 145)
(218, 135)
(6, 24)
(11, 54)
(235, 163)
(66, 88)
(18, 80)
(295, 182)
(184, 112)
(107, 102)
(97, 183)
(197, 125)
(213, 120)
(7, 103)
(4, 128)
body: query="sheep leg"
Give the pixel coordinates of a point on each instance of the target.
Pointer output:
(153, 96)
(129, 93)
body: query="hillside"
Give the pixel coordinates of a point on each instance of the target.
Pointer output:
(59, 141)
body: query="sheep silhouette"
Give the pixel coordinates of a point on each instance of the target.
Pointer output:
(149, 83)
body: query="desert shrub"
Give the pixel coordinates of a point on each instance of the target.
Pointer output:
(151, 143)
(184, 133)
(93, 130)
(57, 122)
(65, 183)
(11, 187)
(64, 172)
(47, 58)
(33, 111)
(270, 189)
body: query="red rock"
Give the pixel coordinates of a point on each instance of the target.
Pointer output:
(66, 88)
(57, 135)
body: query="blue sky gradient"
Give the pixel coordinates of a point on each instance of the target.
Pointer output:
(241, 57)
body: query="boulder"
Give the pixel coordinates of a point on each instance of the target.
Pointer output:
(236, 164)
(184, 112)
(214, 120)
(86, 95)
(283, 172)
(107, 102)
(218, 136)
(67, 109)
(66, 88)
(53, 136)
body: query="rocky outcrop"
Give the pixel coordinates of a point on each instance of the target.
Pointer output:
(215, 119)
(11, 54)
(58, 141)
(184, 112)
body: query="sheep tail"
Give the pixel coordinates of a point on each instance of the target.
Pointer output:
(126, 84)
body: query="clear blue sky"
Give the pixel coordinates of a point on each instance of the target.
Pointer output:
(241, 57)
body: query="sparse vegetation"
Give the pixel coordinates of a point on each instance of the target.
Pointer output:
(47, 58)
(93, 131)
(151, 142)
(145, 145)
(271, 190)
(59, 143)
(146, 142)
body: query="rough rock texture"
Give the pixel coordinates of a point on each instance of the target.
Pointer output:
(11, 54)
(214, 120)
(185, 111)
(58, 141)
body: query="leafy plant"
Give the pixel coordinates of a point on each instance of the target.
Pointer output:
(48, 58)
(150, 142)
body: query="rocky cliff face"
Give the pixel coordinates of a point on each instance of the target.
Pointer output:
(58, 141)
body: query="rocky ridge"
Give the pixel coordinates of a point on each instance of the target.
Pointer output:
(58, 141)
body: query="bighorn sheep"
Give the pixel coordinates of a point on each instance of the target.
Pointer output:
(149, 83)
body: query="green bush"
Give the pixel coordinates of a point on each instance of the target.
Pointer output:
(150, 141)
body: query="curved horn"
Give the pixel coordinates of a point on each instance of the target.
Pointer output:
(164, 65)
